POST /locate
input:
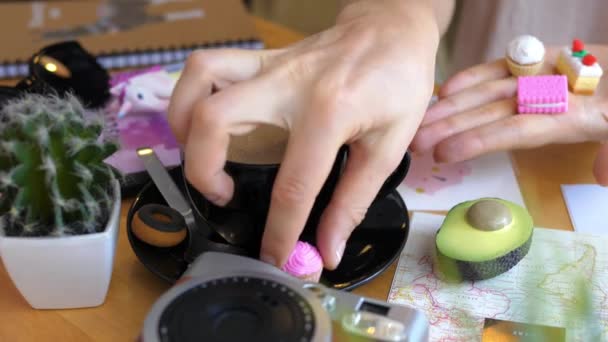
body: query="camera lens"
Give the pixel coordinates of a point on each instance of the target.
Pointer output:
(238, 309)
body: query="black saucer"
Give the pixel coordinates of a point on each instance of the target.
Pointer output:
(373, 246)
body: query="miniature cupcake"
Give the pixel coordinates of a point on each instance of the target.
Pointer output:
(581, 68)
(305, 262)
(525, 56)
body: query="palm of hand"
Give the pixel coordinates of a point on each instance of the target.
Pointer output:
(477, 114)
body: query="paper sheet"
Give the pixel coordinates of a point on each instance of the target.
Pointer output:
(431, 186)
(588, 207)
(539, 290)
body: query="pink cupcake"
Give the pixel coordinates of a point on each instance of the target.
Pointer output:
(305, 262)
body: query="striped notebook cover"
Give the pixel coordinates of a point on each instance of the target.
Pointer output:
(123, 33)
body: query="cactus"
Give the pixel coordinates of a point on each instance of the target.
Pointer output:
(53, 179)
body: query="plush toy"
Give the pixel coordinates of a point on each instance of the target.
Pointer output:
(143, 91)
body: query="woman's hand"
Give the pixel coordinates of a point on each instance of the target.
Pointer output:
(365, 82)
(476, 114)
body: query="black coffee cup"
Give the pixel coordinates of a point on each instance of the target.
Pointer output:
(244, 217)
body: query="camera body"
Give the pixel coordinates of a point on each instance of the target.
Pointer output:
(225, 297)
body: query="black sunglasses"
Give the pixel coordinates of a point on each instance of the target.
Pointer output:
(62, 68)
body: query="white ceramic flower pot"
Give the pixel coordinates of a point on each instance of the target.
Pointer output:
(64, 272)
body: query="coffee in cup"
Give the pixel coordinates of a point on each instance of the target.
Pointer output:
(265, 145)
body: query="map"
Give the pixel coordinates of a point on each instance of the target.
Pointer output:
(546, 288)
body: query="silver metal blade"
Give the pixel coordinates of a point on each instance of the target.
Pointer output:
(164, 182)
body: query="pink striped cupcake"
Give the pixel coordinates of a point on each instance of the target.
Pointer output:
(305, 262)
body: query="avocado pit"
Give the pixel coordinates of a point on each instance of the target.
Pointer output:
(489, 215)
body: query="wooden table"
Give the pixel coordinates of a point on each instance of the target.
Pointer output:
(134, 289)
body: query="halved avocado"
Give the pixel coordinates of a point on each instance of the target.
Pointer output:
(481, 239)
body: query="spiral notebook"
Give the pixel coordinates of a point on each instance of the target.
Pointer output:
(122, 33)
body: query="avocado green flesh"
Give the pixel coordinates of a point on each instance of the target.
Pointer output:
(458, 240)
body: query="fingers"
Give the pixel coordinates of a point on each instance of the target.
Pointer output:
(473, 76)
(236, 110)
(204, 70)
(470, 98)
(600, 166)
(516, 132)
(310, 155)
(430, 135)
(365, 173)
(249, 103)
(205, 156)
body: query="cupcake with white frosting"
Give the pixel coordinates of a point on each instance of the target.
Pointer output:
(525, 56)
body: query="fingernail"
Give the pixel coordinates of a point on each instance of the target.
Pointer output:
(340, 251)
(216, 199)
(268, 259)
(221, 197)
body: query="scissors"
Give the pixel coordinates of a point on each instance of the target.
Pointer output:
(169, 225)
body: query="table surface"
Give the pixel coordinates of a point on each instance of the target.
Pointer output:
(133, 289)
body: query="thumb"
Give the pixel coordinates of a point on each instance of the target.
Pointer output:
(600, 167)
